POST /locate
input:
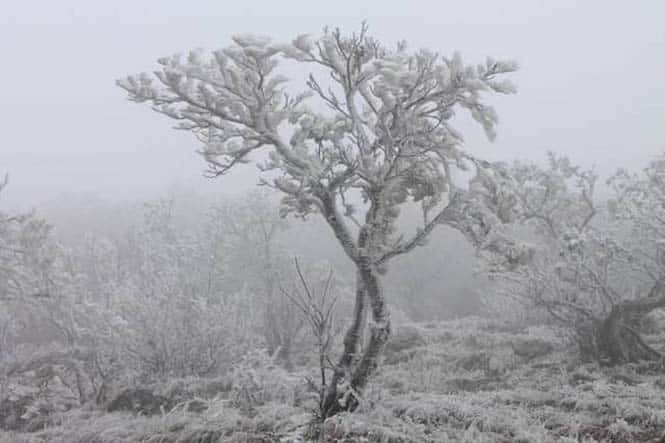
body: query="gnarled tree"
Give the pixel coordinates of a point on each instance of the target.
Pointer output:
(371, 136)
(639, 206)
(589, 269)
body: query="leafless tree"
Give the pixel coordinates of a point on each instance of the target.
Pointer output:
(318, 310)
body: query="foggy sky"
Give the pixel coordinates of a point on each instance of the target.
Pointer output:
(591, 83)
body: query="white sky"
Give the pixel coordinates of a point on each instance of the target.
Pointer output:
(592, 83)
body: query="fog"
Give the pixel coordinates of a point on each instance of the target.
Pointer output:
(590, 83)
(400, 243)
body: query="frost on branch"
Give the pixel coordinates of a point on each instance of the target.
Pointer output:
(553, 208)
(584, 272)
(25, 254)
(354, 145)
(640, 203)
(387, 134)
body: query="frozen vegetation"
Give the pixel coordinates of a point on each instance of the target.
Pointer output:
(327, 307)
(469, 380)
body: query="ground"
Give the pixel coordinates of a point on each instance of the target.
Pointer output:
(469, 380)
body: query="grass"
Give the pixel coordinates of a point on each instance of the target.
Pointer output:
(464, 384)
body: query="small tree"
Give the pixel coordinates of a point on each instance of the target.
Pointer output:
(318, 309)
(386, 139)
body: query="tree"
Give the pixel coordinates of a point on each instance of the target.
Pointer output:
(26, 255)
(35, 311)
(581, 268)
(640, 204)
(251, 227)
(318, 310)
(383, 138)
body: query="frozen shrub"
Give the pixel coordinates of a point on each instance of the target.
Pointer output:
(179, 337)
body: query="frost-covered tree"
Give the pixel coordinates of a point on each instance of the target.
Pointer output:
(639, 206)
(255, 259)
(581, 267)
(26, 255)
(371, 132)
(34, 311)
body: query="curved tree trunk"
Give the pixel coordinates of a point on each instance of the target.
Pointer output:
(352, 339)
(616, 339)
(355, 368)
(379, 330)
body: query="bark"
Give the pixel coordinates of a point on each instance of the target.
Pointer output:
(616, 339)
(352, 341)
(379, 330)
(618, 342)
(355, 368)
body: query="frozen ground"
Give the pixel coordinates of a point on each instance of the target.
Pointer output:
(467, 380)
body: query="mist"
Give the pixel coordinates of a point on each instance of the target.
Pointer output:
(332, 222)
(590, 83)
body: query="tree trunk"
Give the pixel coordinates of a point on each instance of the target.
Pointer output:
(352, 340)
(355, 368)
(616, 340)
